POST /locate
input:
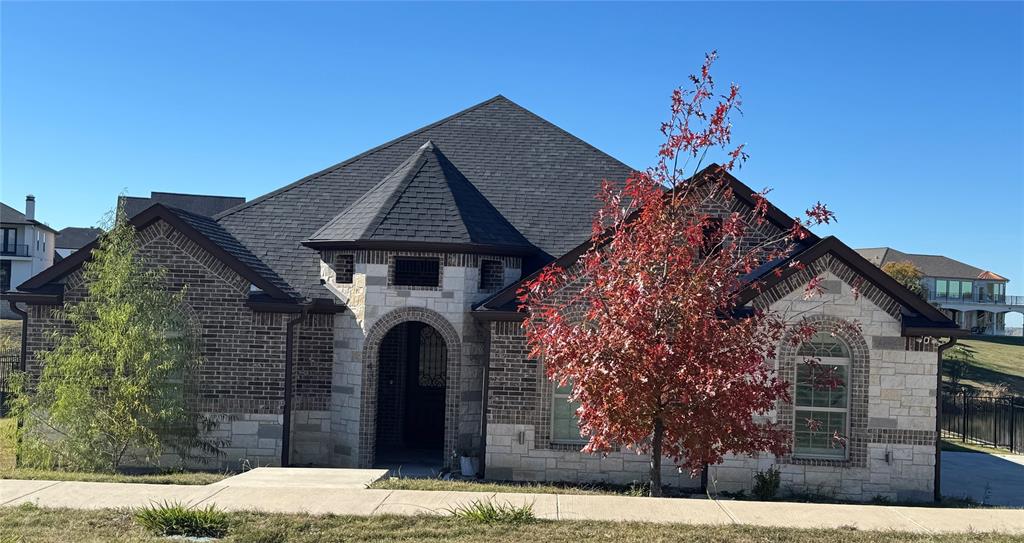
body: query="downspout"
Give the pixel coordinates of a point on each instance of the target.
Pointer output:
(289, 355)
(938, 421)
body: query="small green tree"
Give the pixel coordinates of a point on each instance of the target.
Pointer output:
(906, 274)
(112, 388)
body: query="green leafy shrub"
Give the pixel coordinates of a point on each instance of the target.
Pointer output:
(174, 518)
(488, 512)
(766, 484)
(111, 391)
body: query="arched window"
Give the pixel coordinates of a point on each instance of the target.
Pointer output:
(822, 399)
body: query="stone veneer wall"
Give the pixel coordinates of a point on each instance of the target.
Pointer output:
(893, 390)
(240, 382)
(375, 307)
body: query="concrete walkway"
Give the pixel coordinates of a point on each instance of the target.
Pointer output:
(995, 479)
(293, 490)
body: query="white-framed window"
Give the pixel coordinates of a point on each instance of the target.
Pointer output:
(565, 425)
(822, 399)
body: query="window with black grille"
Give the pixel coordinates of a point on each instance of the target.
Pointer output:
(344, 267)
(492, 275)
(417, 272)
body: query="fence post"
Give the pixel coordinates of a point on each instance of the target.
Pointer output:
(995, 422)
(963, 423)
(1013, 424)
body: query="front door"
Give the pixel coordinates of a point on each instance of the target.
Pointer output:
(426, 371)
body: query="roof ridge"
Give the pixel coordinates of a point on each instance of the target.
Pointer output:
(352, 159)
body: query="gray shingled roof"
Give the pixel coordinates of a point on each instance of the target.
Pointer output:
(195, 203)
(74, 237)
(9, 215)
(930, 265)
(217, 234)
(426, 199)
(540, 178)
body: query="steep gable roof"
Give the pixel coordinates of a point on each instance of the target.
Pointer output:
(540, 178)
(426, 200)
(203, 230)
(930, 265)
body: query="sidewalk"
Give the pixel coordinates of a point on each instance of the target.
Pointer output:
(293, 490)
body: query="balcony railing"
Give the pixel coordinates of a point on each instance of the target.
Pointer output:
(978, 298)
(14, 250)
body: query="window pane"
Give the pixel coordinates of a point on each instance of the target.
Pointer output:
(954, 289)
(564, 426)
(941, 288)
(966, 287)
(819, 442)
(822, 344)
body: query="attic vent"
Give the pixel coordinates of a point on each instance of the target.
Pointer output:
(344, 266)
(417, 272)
(492, 275)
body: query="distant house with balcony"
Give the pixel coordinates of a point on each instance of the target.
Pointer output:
(26, 247)
(975, 298)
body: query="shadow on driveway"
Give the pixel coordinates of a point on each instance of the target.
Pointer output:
(987, 478)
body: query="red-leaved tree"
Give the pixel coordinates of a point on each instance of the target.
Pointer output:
(646, 327)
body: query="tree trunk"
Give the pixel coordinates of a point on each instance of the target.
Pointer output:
(659, 430)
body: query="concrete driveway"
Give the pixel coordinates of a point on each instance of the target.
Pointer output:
(996, 479)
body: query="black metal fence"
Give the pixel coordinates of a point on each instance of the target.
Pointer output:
(996, 421)
(10, 360)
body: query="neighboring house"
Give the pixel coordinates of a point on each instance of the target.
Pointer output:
(26, 247)
(366, 315)
(73, 238)
(199, 204)
(974, 298)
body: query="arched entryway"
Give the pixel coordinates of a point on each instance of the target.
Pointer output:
(410, 393)
(411, 382)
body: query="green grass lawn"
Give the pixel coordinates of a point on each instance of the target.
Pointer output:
(998, 362)
(31, 524)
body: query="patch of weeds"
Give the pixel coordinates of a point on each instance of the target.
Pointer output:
(766, 484)
(488, 512)
(879, 499)
(174, 518)
(638, 489)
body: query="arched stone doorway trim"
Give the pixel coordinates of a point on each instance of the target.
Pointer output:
(371, 365)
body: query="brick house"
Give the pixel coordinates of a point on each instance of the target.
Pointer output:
(365, 315)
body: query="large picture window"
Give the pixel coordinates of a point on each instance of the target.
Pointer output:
(565, 426)
(822, 399)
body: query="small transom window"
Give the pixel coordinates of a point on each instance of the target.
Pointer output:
(417, 272)
(492, 274)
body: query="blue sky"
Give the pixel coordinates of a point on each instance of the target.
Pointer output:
(908, 119)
